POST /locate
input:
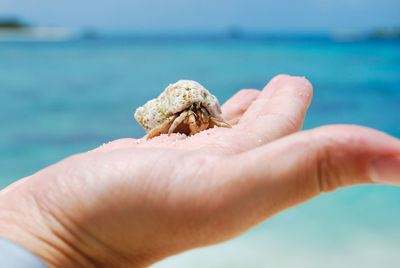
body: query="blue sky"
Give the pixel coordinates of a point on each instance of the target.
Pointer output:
(200, 15)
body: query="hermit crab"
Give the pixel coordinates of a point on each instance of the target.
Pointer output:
(184, 107)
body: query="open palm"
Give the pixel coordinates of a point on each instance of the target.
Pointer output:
(134, 202)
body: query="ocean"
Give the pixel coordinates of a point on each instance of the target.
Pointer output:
(62, 98)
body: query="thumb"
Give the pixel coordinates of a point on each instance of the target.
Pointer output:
(298, 167)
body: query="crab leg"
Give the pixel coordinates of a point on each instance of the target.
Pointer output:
(191, 118)
(177, 121)
(203, 118)
(161, 129)
(219, 123)
(204, 114)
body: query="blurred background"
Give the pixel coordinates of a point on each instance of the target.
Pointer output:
(73, 73)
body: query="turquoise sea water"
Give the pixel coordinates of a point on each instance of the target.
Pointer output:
(57, 99)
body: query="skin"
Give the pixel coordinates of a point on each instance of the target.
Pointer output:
(131, 203)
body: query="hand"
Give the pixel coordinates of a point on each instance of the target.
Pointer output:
(134, 202)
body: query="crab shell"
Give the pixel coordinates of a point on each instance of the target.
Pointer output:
(175, 99)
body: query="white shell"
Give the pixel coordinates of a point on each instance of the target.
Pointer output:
(174, 99)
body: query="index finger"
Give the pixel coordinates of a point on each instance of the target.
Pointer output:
(280, 108)
(236, 106)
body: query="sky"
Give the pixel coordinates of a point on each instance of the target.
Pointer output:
(206, 15)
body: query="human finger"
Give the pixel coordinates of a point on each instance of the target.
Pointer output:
(280, 108)
(294, 169)
(237, 105)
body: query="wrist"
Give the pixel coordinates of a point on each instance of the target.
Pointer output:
(40, 248)
(42, 228)
(23, 222)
